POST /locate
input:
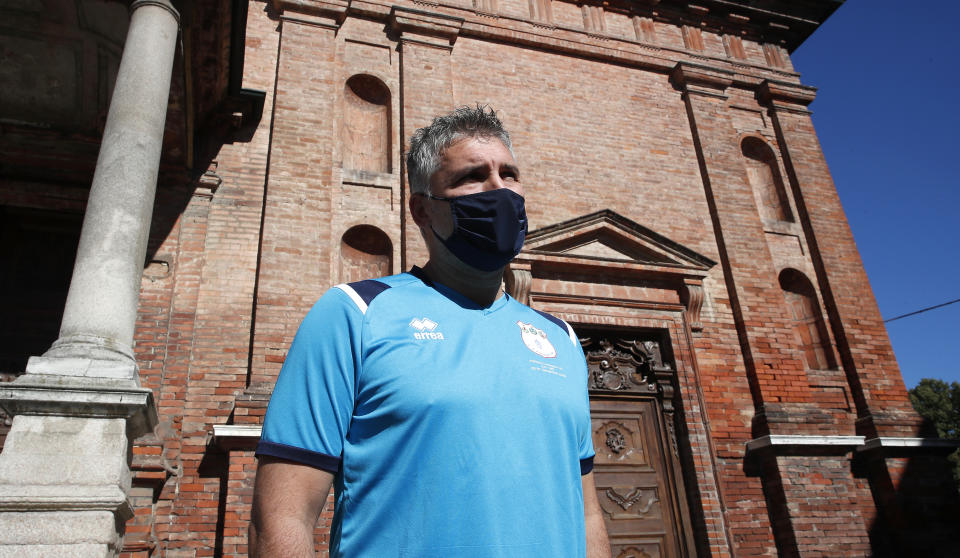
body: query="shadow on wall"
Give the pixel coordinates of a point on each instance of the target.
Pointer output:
(820, 503)
(917, 500)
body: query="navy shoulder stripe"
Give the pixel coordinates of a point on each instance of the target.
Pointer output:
(368, 289)
(362, 293)
(563, 325)
(560, 323)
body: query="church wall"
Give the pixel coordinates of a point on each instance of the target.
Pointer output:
(618, 135)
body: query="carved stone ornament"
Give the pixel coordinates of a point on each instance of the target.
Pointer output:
(692, 296)
(617, 364)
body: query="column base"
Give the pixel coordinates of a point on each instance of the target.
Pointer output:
(63, 486)
(90, 534)
(84, 347)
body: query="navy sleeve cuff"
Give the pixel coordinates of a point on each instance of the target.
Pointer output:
(316, 459)
(586, 465)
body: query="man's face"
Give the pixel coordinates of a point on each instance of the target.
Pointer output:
(469, 166)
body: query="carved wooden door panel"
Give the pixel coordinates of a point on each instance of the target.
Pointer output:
(635, 469)
(631, 479)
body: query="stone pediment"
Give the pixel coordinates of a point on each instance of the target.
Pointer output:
(608, 238)
(611, 250)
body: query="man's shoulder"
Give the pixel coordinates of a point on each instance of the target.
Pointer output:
(362, 293)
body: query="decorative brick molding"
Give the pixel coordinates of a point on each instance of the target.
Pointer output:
(409, 23)
(703, 80)
(791, 97)
(332, 9)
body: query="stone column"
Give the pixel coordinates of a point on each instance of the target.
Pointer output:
(64, 470)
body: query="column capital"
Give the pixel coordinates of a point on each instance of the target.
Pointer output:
(430, 28)
(327, 9)
(701, 80)
(780, 95)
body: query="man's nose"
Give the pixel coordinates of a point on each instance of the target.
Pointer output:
(494, 181)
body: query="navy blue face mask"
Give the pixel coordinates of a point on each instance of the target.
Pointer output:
(488, 228)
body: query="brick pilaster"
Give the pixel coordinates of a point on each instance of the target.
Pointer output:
(296, 220)
(883, 407)
(767, 340)
(426, 90)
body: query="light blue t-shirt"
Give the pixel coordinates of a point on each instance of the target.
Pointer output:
(454, 430)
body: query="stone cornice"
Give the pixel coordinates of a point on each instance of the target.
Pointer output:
(778, 22)
(441, 22)
(799, 440)
(792, 444)
(908, 445)
(36, 394)
(236, 436)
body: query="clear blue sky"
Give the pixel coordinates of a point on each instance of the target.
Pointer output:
(887, 117)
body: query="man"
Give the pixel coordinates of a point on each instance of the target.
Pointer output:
(452, 420)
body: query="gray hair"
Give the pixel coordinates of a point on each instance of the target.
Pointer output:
(428, 144)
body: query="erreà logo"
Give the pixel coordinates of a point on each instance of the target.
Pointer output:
(425, 329)
(536, 340)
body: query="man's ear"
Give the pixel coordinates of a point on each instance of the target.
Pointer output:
(418, 209)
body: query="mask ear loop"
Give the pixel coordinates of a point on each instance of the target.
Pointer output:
(438, 198)
(430, 196)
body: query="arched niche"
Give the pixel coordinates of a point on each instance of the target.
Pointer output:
(366, 125)
(807, 319)
(765, 180)
(365, 252)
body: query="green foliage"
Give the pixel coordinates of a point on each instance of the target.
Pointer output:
(939, 402)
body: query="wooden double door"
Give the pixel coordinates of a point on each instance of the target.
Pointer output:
(637, 465)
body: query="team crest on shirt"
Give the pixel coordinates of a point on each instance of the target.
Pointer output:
(536, 340)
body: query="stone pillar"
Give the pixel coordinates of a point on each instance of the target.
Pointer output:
(64, 471)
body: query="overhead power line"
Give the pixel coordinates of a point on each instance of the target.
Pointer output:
(922, 310)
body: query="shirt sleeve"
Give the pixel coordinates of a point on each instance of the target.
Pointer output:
(585, 426)
(313, 401)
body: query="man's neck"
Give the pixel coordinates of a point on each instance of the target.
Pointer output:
(481, 287)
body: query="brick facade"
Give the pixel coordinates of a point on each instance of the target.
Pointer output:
(633, 112)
